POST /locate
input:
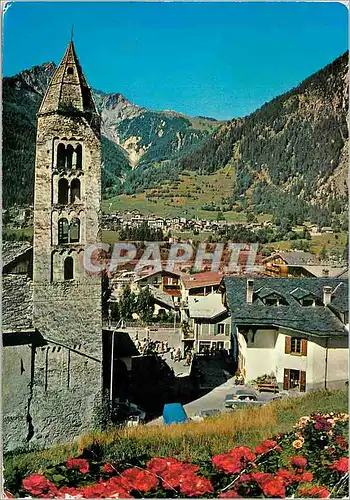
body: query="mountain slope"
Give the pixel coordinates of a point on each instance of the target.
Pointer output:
(295, 144)
(132, 135)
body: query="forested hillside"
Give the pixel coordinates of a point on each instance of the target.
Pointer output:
(132, 135)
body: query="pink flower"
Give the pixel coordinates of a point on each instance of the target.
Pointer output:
(298, 462)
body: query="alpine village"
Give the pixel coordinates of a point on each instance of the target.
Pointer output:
(174, 293)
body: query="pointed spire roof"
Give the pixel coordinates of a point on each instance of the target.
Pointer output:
(68, 88)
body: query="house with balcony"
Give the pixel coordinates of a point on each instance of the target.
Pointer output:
(165, 281)
(199, 284)
(294, 328)
(209, 324)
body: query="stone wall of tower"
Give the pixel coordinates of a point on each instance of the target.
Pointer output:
(66, 312)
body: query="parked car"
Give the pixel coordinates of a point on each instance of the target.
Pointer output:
(124, 411)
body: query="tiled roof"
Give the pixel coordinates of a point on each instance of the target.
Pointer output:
(293, 258)
(11, 250)
(17, 303)
(317, 319)
(209, 306)
(162, 297)
(300, 293)
(197, 280)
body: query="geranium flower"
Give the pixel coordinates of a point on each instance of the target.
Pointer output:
(108, 469)
(177, 473)
(234, 461)
(341, 465)
(195, 486)
(298, 462)
(39, 486)
(78, 463)
(69, 492)
(287, 476)
(340, 441)
(274, 487)
(229, 494)
(266, 446)
(305, 477)
(158, 465)
(140, 480)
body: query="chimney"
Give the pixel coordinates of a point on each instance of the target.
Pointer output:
(250, 290)
(327, 295)
(325, 273)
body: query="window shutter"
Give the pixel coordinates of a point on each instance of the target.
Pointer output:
(216, 328)
(227, 329)
(288, 345)
(304, 347)
(286, 379)
(302, 381)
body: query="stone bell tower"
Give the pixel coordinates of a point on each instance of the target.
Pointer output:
(67, 299)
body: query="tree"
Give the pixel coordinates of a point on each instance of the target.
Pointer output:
(145, 304)
(323, 253)
(127, 304)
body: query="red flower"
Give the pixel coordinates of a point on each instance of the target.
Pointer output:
(274, 487)
(298, 462)
(287, 476)
(195, 486)
(78, 463)
(72, 492)
(339, 440)
(266, 446)
(305, 477)
(229, 494)
(341, 465)
(38, 485)
(315, 492)
(177, 473)
(158, 465)
(234, 461)
(108, 469)
(140, 480)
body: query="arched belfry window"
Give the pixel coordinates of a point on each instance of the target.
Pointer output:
(69, 155)
(75, 191)
(61, 156)
(63, 192)
(79, 153)
(68, 268)
(70, 70)
(74, 232)
(63, 231)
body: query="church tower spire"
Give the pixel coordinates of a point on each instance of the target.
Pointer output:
(66, 299)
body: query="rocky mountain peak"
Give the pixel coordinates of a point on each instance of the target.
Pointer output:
(38, 77)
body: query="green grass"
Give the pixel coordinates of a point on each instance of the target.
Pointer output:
(334, 242)
(196, 440)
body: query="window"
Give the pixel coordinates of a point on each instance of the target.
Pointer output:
(70, 70)
(74, 235)
(221, 328)
(295, 345)
(272, 301)
(63, 231)
(63, 192)
(61, 156)
(308, 302)
(69, 155)
(79, 153)
(68, 268)
(294, 379)
(75, 191)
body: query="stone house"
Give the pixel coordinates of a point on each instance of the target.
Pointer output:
(295, 328)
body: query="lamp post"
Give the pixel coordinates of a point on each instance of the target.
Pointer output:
(112, 369)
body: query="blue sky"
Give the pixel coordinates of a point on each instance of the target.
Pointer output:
(212, 59)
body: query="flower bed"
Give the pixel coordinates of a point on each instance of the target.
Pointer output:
(309, 462)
